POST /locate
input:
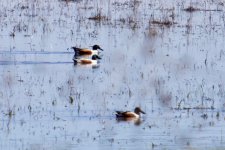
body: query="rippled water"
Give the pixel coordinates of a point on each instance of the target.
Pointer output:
(174, 72)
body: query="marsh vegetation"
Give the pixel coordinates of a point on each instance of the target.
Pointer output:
(165, 56)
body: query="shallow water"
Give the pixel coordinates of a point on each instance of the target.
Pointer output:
(174, 72)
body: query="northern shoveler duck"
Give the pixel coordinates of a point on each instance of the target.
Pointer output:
(129, 114)
(86, 51)
(85, 61)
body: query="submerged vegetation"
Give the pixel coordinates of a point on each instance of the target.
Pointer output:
(166, 57)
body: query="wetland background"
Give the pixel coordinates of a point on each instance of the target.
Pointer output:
(165, 56)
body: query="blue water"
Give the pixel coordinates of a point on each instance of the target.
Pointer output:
(174, 73)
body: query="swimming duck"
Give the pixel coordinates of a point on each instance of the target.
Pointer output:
(86, 51)
(85, 61)
(129, 114)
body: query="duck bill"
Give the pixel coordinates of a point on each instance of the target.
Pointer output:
(143, 112)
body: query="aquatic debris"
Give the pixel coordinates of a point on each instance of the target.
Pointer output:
(67, 1)
(98, 17)
(166, 23)
(217, 115)
(24, 7)
(126, 4)
(78, 108)
(29, 108)
(71, 100)
(53, 102)
(204, 116)
(193, 108)
(153, 145)
(191, 9)
(12, 34)
(10, 113)
(20, 80)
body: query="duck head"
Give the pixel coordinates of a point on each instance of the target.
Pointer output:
(95, 57)
(138, 110)
(96, 47)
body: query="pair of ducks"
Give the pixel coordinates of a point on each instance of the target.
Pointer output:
(85, 52)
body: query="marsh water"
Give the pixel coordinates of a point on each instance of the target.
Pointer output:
(157, 55)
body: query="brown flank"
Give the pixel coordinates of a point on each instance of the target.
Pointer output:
(128, 114)
(85, 61)
(85, 51)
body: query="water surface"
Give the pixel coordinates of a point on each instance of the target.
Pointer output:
(174, 72)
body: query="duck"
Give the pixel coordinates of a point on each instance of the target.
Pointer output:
(86, 51)
(87, 61)
(129, 114)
